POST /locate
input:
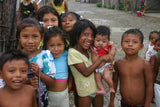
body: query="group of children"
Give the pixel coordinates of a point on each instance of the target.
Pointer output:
(67, 51)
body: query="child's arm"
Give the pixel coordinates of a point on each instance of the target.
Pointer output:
(34, 99)
(48, 80)
(115, 83)
(155, 67)
(66, 6)
(70, 80)
(19, 13)
(148, 83)
(35, 6)
(112, 51)
(87, 71)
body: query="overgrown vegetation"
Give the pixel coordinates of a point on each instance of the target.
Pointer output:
(99, 4)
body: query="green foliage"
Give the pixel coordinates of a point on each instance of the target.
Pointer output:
(111, 7)
(121, 6)
(99, 4)
(104, 6)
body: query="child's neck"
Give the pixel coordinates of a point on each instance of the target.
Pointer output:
(131, 57)
(83, 51)
(12, 91)
(33, 53)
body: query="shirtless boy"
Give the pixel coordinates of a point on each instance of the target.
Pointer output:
(134, 73)
(14, 68)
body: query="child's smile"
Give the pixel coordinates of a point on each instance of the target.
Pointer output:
(15, 73)
(131, 44)
(30, 38)
(56, 45)
(86, 39)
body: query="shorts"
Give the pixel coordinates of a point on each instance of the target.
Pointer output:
(123, 104)
(101, 70)
(157, 94)
(58, 99)
(93, 95)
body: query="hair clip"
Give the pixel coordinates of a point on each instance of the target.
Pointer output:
(155, 31)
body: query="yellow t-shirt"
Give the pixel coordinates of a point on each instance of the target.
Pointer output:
(60, 9)
(85, 85)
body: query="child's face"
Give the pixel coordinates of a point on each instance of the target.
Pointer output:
(14, 73)
(50, 19)
(153, 37)
(30, 38)
(68, 22)
(157, 46)
(100, 41)
(131, 44)
(86, 39)
(56, 45)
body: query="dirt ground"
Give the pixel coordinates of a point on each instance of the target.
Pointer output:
(118, 21)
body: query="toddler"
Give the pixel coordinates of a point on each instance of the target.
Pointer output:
(150, 51)
(103, 46)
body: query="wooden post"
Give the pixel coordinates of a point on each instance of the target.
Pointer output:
(7, 24)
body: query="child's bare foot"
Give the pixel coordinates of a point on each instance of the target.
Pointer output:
(101, 92)
(111, 90)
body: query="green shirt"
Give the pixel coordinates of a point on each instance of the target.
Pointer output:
(85, 85)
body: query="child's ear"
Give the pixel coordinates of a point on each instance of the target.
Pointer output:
(142, 46)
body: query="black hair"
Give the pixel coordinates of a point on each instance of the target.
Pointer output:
(58, 2)
(53, 32)
(28, 22)
(152, 32)
(157, 39)
(104, 31)
(77, 16)
(133, 31)
(13, 55)
(47, 9)
(78, 28)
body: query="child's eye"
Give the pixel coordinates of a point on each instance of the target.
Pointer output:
(53, 20)
(45, 20)
(135, 42)
(97, 40)
(35, 36)
(51, 45)
(104, 41)
(86, 34)
(11, 71)
(60, 44)
(24, 71)
(25, 36)
(126, 41)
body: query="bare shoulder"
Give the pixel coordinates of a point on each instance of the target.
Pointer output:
(118, 62)
(1, 92)
(145, 62)
(28, 88)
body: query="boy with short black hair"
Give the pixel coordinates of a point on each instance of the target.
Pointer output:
(14, 68)
(134, 73)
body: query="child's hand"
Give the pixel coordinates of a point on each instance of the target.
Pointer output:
(111, 68)
(105, 58)
(111, 43)
(34, 68)
(33, 81)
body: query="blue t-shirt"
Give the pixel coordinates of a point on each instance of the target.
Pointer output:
(61, 64)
